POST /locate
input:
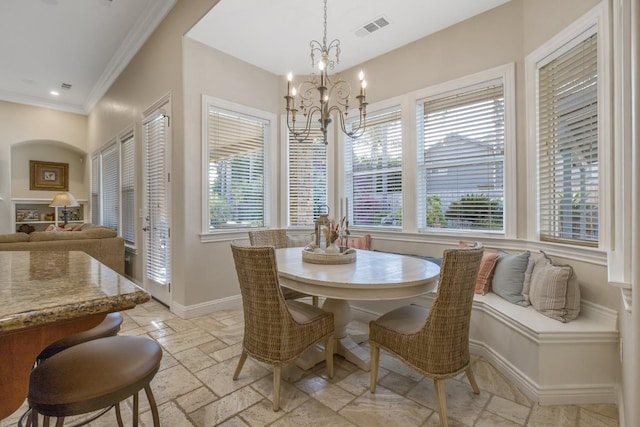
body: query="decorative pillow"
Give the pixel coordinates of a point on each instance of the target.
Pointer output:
(363, 242)
(508, 277)
(487, 266)
(555, 290)
(485, 274)
(527, 275)
(53, 227)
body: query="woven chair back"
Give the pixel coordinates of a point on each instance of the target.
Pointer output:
(276, 238)
(446, 331)
(267, 322)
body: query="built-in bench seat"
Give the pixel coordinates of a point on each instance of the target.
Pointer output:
(551, 362)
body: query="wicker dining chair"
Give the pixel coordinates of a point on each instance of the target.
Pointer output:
(276, 331)
(278, 239)
(434, 342)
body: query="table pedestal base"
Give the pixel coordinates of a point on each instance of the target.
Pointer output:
(344, 344)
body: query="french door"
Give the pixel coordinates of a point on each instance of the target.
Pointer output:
(157, 198)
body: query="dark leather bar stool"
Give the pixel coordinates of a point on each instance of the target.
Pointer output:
(92, 376)
(109, 327)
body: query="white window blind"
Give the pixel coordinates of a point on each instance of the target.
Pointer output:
(110, 186)
(95, 189)
(236, 169)
(307, 179)
(127, 188)
(461, 159)
(568, 146)
(158, 238)
(374, 172)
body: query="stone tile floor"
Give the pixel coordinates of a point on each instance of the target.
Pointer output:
(194, 387)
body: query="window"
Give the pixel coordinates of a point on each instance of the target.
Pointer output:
(567, 126)
(236, 138)
(374, 172)
(109, 171)
(127, 188)
(461, 140)
(112, 187)
(307, 161)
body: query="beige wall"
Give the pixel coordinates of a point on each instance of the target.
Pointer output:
(20, 124)
(210, 274)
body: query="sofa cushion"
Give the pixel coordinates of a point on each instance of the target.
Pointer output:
(508, 277)
(14, 237)
(554, 290)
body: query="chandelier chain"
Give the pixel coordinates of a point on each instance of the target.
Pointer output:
(324, 39)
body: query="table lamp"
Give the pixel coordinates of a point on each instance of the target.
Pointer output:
(64, 200)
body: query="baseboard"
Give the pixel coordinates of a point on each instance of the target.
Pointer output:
(202, 309)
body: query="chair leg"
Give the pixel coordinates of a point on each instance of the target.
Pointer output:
(472, 380)
(135, 409)
(153, 405)
(119, 415)
(375, 359)
(314, 301)
(60, 422)
(328, 354)
(276, 388)
(243, 358)
(441, 396)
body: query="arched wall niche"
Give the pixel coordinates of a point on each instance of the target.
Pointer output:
(48, 151)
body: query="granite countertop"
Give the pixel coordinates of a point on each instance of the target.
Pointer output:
(42, 287)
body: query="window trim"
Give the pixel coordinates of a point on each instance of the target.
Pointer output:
(505, 73)
(594, 21)
(270, 163)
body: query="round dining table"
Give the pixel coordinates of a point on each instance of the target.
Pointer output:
(373, 276)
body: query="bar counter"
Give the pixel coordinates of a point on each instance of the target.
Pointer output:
(45, 296)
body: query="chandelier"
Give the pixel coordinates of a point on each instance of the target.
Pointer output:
(316, 94)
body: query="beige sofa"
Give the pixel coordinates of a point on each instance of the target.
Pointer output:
(101, 243)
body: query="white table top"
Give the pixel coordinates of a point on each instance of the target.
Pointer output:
(374, 276)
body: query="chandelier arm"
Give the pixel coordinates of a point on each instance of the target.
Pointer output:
(302, 134)
(358, 131)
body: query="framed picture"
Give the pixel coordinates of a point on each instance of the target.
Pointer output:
(48, 176)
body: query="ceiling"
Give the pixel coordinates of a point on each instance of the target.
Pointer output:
(275, 35)
(87, 43)
(83, 43)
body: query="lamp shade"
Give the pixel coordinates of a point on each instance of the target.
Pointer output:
(63, 200)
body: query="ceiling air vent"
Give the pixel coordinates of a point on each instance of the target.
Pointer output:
(65, 86)
(372, 26)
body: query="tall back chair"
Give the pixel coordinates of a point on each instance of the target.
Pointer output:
(435, 342)
(278, 239)
(276, 331)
